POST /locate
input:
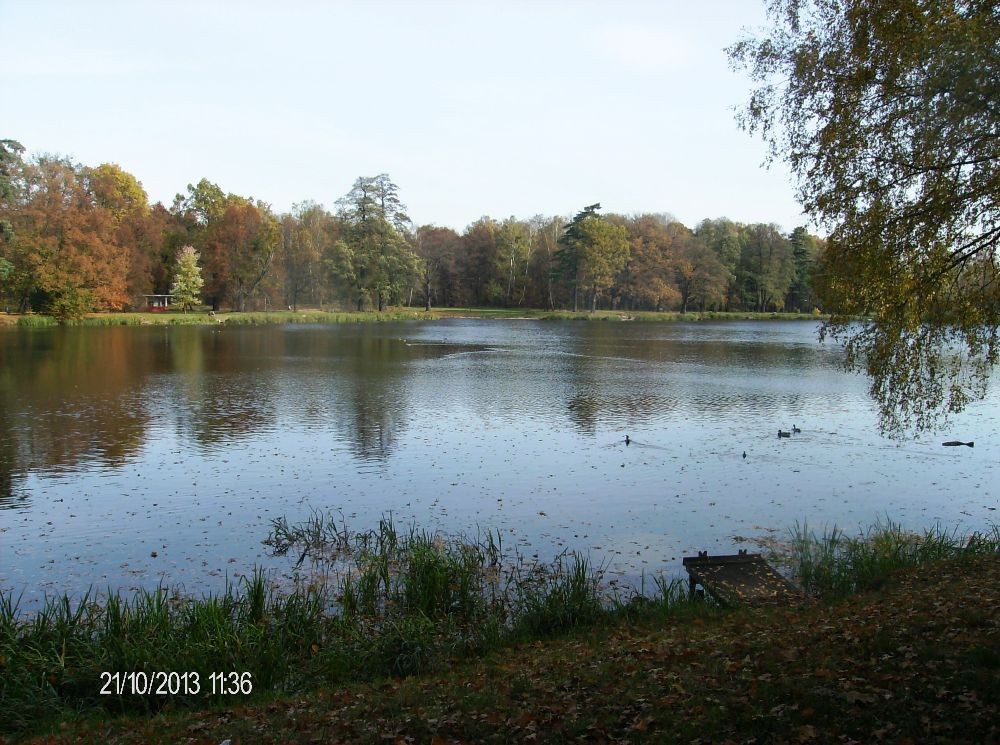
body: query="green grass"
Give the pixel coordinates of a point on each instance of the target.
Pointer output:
(34, 321)
(389, 603)
(382, 602)
(231, 318)
(621, 315)
(834, 564)
(175, 318)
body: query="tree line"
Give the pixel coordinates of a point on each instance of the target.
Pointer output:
(77, 238)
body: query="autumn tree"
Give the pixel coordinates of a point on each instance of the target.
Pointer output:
(436, 249)
(648, 278)
(187, 279)
(513, 242)
(306, 236)
(248, 237)
(136, 225)
(603, 252)
(887, 115)
(236, 237)
(199, 214)
(545, 234)
(700, 275)
(65, 253)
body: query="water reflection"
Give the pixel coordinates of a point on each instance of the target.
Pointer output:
(68, 399)
(74, 397)
(115, 442)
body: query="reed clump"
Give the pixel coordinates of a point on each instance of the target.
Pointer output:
(833, 564)
(370, 604)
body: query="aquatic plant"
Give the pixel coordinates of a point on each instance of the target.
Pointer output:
(834, 564)
(387, 602)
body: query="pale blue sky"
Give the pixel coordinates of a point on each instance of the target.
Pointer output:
(473, 108)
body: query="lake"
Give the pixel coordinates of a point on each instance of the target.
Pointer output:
(132, 456)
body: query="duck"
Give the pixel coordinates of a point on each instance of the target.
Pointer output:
(796, 430)
(744, 455)
(784, 434)
(627, 440)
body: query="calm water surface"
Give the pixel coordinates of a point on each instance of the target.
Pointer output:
(117, 443)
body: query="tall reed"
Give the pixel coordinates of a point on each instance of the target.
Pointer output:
(379, 602)
(834, 564)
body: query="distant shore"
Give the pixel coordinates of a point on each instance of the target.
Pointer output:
(312, 315)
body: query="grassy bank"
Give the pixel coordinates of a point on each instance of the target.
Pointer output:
(372, 604)
(399, 314)
(415, 636)
(207, 319)
(620, 315)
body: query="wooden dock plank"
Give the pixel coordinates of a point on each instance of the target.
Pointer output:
(739, 579)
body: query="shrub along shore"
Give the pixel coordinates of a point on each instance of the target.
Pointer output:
(411, 634)
(399, 314)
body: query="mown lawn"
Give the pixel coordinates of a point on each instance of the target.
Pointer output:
(916, 661)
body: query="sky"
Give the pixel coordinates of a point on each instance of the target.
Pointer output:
(472, 108)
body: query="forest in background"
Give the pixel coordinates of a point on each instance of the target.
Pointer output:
(77, 238)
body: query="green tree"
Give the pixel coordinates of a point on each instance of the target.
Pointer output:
(887, 114)
(765, 269)
(10, 160)
(187, 279)
(569, 256)
(379, 261)
(805, 249)
(481, 269)
(722, 236)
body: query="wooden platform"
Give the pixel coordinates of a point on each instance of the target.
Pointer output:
(739, 579)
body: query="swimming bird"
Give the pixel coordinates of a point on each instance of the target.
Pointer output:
(796, 430)
(784, 434)
(955, 443)
(627, 440)
(744, 455)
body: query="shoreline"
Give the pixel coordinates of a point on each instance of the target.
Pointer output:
(315, 316)
(422, 611)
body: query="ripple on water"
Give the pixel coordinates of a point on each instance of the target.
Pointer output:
(187, 444)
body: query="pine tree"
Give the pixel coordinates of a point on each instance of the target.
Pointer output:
(187, 278)
(568, 258)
